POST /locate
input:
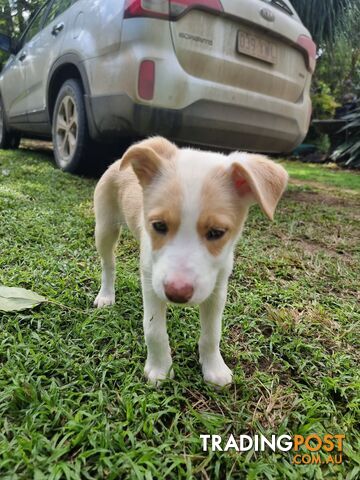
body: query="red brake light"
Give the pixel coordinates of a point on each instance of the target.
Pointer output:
(146, 8)
(177, 7)
(146, 80)
(309, 116)
(307, 44)
(167, 9)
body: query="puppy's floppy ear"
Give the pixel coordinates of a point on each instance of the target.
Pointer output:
(148, 157)
(258, 179)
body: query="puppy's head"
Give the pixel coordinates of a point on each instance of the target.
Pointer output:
(195, 205)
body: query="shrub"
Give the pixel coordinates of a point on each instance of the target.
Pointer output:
(348, 153)
(324, 103)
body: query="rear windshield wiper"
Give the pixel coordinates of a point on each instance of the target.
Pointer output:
(280, 4)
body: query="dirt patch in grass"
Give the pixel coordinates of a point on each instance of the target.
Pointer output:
(320, 197)
(329, 223)
(37, 146)
(313, 247)
(273, 406)
(236, 335)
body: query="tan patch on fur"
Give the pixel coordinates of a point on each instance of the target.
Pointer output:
(161, 146)
(119, 189)
(220, 209)
(147, 157)
(131, 201)
(162, 203)
(119, 192)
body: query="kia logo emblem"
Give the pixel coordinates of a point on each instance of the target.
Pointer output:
(267, 14)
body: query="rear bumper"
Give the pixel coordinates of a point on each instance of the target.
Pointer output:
(203, 122)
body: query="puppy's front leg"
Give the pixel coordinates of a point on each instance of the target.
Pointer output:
(158, 362)
(214, 368)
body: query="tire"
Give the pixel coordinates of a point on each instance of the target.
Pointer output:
(70, 134)
(8, 140)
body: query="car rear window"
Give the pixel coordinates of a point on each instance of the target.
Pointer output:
(281, 5)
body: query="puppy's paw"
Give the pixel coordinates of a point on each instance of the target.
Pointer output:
(217, 372)
(156, 374)
(104, 299)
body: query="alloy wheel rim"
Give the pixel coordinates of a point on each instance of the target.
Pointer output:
(66, 130)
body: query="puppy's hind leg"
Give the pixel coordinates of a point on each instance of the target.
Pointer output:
(108, 224)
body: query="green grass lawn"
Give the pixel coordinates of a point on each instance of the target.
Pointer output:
(73, 400)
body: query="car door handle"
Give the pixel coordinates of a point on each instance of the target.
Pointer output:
(57, 29)
(22, 56)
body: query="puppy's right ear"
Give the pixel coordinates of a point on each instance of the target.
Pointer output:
(148, 158)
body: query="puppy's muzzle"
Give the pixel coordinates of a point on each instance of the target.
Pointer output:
(178, 292)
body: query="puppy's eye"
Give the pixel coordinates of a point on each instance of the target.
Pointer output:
(215, 234)
(160, 227)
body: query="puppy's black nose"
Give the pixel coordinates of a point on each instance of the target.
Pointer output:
(178, 292)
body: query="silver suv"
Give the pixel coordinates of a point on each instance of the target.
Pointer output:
(223, 73)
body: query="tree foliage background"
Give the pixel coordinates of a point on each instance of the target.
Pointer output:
(14, 14)
(335, 27)
(323, 17)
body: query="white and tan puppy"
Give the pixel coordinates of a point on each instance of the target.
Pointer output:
(187, 207)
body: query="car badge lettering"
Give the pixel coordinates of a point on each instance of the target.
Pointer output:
(267, 14)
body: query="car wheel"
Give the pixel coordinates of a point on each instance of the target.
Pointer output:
(8, 140)
(70, 135)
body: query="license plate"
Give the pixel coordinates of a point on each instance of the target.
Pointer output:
(257, 47)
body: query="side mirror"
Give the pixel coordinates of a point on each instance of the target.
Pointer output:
(6, 43)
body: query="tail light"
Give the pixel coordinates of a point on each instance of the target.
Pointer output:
(309, 46)
(167, 9)
(178, 7)
(146, 8)
(146, 80)
(309, 117)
